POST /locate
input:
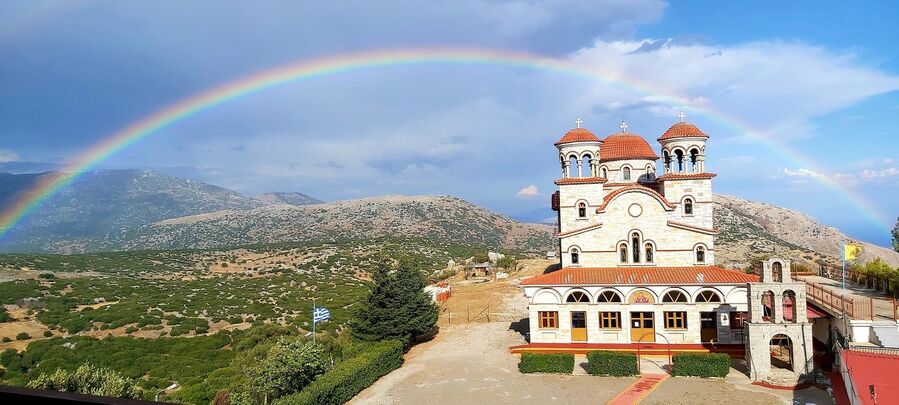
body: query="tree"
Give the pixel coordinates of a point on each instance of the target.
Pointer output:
(397, 307)
(480, 258)
(507, 263)
(88, 379)
(896, 236)
(282, 368)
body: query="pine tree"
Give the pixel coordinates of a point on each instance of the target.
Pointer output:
(397, 307)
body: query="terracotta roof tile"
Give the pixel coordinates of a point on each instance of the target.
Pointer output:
(625, 145)
(577, 135)
(579, 230)
(686, 275)
(689, 227)
(580, 180)
(682, 130)
(686, 176)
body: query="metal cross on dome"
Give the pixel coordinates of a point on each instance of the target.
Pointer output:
(682, 116)
(578, 122)
(623, 126)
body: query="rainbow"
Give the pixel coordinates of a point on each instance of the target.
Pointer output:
(344, 63)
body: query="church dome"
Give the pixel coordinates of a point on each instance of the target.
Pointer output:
(577, 135)
(682, 130)
(625, 145)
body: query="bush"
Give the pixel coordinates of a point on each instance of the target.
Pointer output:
(6, 339)
(701, 364)
(350, 376)
(23, 336)
(4, 316)
(88, 379)
(47, 333)
(560, 363)
(617, 364)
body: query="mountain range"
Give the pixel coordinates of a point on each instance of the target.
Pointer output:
(141, 209)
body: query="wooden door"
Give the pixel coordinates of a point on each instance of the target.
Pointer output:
(708, 330)
(578, 326)
(642, 326)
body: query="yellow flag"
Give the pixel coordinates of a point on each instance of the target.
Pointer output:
(850, 251)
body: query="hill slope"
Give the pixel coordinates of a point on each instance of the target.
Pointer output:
(436, 218)
(105, 201)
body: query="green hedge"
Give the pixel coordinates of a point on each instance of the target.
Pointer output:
(616, 364)
(560, 363)
(349, 377)
(701, 364)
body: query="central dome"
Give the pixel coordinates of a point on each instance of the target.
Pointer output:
(577, 135)
(625, 145)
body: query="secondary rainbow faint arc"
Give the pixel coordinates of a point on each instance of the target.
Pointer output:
(329, 65)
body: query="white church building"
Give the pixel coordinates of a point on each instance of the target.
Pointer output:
(637, 247)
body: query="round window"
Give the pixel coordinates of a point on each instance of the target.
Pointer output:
(635, 210)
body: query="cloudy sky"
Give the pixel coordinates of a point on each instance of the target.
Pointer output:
(800, 99)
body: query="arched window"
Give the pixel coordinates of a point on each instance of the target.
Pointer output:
(604, 173)
(574, 167)
(650, 170)
(708, 296)
(679, 154)
(674, 296)
(581, 210)
(789, 304)
(648, 253)
(575, 256)
(768, 306)
(608, 296)
(700, 254)
(622, 253)
(688, 206)
(635, 242)
(587, 166)
(577, 296)
(626, 173)
(777, 272)
(666, 159)
(694, 159)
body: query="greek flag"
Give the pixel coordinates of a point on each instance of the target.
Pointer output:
(320, 314)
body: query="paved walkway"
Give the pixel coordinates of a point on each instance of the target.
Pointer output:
(883, 306)
(638, 390)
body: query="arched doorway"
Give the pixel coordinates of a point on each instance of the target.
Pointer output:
(781, 348)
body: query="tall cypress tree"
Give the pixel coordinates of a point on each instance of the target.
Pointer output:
(397, 307)
(896, 236)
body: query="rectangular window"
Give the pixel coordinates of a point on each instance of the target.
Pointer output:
(676, 320)
(548, 319)
(610, 320)
(737, 318)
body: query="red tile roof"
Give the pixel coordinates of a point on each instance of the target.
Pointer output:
(686, 275)
(577, 135)
(579, 230)
(580, 180)
(635, 188)
(686, 176)
(625, 145)
(682, 130)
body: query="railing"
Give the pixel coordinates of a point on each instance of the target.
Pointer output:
(829, 300)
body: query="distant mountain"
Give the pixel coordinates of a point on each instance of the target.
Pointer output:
(109, 201)
(538, 216)
(287, 198)
(437, 218)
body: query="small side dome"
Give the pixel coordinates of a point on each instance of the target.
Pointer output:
(577, 135)
(625, 145)
(682, 130)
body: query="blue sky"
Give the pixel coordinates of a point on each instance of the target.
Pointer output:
(817, 77)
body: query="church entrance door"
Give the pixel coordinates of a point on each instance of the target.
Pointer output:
(578, 326)
(642, 324)
(708, 330)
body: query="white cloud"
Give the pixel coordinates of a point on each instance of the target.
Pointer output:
(7, 156)
(874, 174)
(529, 191)
(776, 88)
(802, 173)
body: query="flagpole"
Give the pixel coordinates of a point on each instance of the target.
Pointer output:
(843, 293)
(313, 320)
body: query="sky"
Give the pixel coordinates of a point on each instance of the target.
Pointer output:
(819, 78)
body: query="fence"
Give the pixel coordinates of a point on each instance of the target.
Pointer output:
(462, 315)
